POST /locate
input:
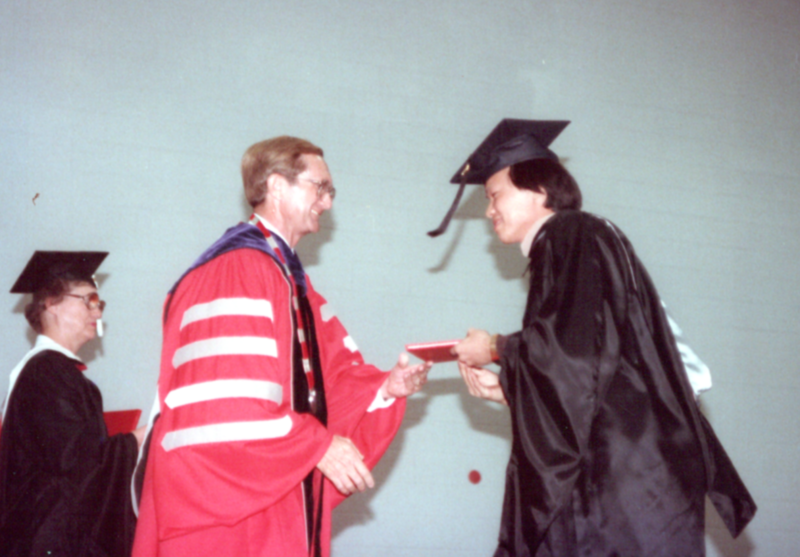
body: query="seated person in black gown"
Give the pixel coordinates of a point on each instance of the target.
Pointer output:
(64, 484)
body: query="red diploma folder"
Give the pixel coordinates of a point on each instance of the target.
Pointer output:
(438, 351)
(121, 421)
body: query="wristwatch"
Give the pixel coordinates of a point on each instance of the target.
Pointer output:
(493, 348)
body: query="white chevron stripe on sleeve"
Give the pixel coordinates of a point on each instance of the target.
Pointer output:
(350, 344)
(225, 388)
(225, 346)
(227, 432)
(327, 312)
(227, 306)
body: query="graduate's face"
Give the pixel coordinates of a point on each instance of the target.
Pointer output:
(73, 320)
(304, 201)
(511, 209)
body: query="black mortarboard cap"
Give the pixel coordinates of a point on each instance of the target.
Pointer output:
(46, 266)
(510, 142)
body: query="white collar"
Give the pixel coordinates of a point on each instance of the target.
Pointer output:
(43, 342)
(527, 241)
(272, 229)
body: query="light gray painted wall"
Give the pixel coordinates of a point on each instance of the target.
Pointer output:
(128, 120)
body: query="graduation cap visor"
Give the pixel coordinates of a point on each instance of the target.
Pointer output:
(510, 142)
(46, 266)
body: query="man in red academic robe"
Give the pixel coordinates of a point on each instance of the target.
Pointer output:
(269, 416)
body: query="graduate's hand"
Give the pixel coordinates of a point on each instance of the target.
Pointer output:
(475, 350)
(343, 464)
(482, 383)
(405, 380)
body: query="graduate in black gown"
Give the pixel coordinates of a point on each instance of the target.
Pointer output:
(611, 455)
(64, 484)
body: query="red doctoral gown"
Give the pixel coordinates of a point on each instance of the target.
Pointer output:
(229, 451)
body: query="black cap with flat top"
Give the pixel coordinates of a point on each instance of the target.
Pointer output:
(510, 142)
(46, 266)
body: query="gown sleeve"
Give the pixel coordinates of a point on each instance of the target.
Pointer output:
(351, 386)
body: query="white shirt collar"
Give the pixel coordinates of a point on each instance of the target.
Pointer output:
(47, 343)
(527, 241)
(274, 230)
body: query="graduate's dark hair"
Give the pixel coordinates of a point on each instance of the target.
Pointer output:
(279, 155)
(55, 292)
(561, 188)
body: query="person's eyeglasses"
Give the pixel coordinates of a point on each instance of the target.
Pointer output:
(322, 188)
(92, 300)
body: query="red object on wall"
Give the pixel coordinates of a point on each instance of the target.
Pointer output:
(475, 476)
(121, 421)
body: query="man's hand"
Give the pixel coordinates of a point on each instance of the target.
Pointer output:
(405, 380)
(343, 464)
(482, 383)
(475, 349)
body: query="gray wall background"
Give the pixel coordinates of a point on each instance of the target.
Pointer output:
(122, 126)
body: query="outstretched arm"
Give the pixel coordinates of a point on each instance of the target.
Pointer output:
(405, 380)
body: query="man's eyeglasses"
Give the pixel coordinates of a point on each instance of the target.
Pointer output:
(92, 300)
(322, 188)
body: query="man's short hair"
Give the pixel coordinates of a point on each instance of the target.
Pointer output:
(561, 188)
(279, 155)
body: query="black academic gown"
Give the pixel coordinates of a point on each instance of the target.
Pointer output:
(64, 484)
(611, 456)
